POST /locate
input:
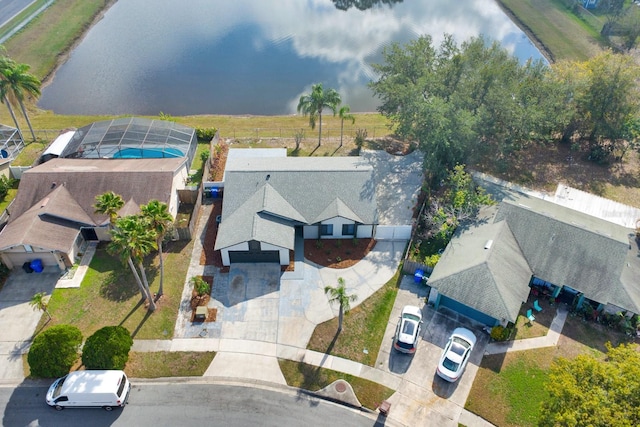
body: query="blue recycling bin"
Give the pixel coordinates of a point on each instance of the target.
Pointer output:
(418, 276)
(36, 265)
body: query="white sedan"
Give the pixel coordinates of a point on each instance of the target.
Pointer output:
(456, 354)
(408, 330)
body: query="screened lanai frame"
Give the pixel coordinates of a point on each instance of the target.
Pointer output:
(11, 142)
(132, 137)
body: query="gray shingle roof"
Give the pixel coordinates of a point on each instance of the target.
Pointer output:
(490, 277)
(567, 247)
(298, 190)
(532, 236)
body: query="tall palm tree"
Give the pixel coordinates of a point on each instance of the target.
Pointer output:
(345, 114)
(313, 103)
(40, 302)
(338, 294)
(6, 63)
(160, 219)
(132, 239)
(16, 83)
(109, 203)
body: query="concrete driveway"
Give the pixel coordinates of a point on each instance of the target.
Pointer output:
(422, 393)
(18, 320)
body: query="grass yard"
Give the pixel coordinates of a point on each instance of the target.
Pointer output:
(508, 388)
(563, 34)
(168, 364)
(363, 327)
(312, 378)
(109, 296)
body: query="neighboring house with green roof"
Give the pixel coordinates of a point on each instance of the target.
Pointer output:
(269, 200)
(487, 269)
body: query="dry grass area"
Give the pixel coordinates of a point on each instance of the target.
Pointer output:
(542, 167)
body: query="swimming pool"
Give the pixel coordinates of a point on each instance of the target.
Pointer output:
(148, 153)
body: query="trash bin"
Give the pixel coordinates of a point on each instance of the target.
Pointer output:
(27, 267)
(36, 265)
(418, 276)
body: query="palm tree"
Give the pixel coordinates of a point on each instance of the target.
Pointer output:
(132, 239)
(109, 203)
(345, 114)
(16, 83)
(312, 105)
(40, 302)
(160, 219)
(6, 63)
(339, 295)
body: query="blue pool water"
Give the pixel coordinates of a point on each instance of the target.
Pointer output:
(147, 153)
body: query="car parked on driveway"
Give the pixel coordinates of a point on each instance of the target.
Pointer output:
(456, 354)
(408, 330)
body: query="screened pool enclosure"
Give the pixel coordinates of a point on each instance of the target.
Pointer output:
(132, 138)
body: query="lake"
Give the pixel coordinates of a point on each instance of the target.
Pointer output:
(252, 57)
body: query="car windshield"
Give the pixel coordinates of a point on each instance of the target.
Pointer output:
(56, 391)
(408, 327)
(450, 364)
(411, 317)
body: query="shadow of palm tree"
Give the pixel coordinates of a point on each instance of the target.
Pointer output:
(314, 150)
(133, 310)
(144, 319)
(119, 286)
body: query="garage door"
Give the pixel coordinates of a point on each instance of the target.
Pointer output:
(467, 311)
(248, 256)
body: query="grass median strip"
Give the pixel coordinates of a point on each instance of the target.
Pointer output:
(312, 378)
(160, 364)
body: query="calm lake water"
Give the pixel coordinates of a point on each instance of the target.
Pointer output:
(251, 56)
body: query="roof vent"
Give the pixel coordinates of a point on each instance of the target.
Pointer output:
(44, 202)
(488, 244)
(268, 176)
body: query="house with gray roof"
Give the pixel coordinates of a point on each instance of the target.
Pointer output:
(489, 265)
(269, 199)
(53, 214)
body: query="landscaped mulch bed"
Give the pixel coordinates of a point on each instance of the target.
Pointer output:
(337, 253)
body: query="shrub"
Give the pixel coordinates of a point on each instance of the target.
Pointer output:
(204, 156)
(54, 351)
(200, 285)
(432, 260)
(206, 134)
(6, 184)
(107, 348)
(500, 333)
(361, 135)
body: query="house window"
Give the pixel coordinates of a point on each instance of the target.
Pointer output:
(326, 229)
(348, 229)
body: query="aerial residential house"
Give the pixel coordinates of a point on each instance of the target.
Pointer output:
(489, 265)
(268, 201)
(53, 214)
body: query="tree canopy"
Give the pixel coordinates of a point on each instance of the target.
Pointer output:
(588, 392)
(461, 101)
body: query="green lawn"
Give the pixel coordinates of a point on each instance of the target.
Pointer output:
(168, 364)
(312, 378)
(109, 296)
(509, 388)
(363, 327)
(564, 34)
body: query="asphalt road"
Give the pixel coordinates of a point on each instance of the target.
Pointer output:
(10, 8)
(183, 404)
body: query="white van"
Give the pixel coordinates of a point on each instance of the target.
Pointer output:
(82, 389)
